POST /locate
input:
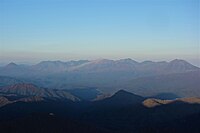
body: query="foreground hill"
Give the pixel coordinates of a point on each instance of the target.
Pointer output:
(48, 123)
(143, 116)
(120, 98)
(122, 112)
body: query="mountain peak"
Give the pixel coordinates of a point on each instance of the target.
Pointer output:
(181, 65)
(101, 61)
(178, 61)
(127, 60)
(10, 65)
(123, 92)
(124, 97)
(147, 62)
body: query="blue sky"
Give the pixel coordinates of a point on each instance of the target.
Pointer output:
(34, 30)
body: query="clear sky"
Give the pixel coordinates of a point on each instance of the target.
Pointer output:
(35, 30)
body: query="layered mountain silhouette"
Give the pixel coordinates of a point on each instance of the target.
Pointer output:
(103, 65)
(145, 78)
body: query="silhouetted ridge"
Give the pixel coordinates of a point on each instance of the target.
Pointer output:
(125, 96)
(122, 93)
(122, 98)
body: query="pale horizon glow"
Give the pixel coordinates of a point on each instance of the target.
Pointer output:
(36, 30)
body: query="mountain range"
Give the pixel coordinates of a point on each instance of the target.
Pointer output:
(98, 66)
(144, 78)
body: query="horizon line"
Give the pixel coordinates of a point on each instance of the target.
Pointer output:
(100, 59)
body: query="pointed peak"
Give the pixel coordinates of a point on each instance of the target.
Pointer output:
(122, 93)
(123, 97)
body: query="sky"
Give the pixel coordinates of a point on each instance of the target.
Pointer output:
(35, 30)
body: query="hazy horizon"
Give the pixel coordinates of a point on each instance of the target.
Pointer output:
(36, 30)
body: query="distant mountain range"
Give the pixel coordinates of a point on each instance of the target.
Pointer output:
(144, 78)
(100, 66)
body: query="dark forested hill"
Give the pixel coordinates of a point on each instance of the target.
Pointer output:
(122, 112)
